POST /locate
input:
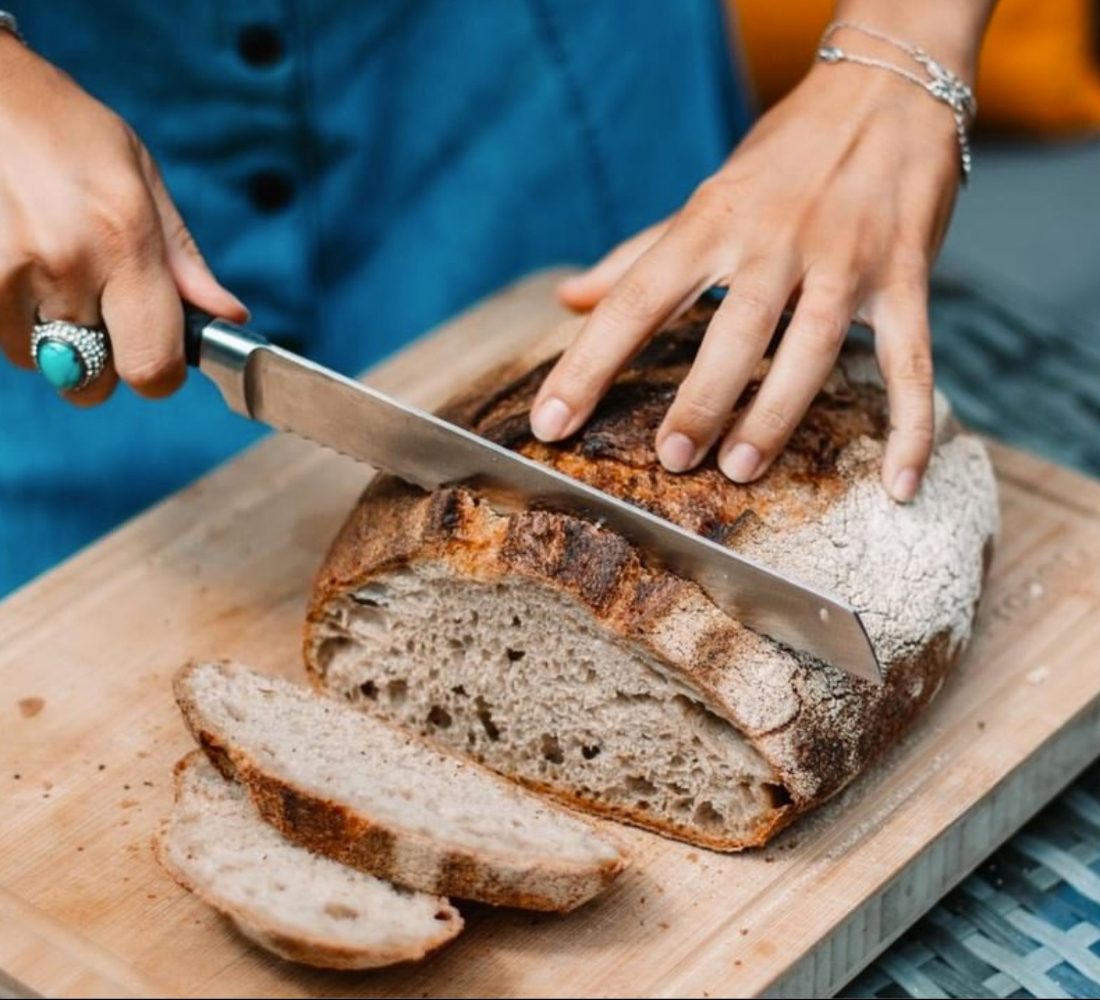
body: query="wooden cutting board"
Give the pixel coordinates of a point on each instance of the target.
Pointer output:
(89, 734)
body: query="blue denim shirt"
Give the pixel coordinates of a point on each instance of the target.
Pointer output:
(356, 172)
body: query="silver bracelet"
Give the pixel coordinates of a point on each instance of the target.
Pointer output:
(938, 80)
(9, 24)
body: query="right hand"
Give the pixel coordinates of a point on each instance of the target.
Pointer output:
(89, 234)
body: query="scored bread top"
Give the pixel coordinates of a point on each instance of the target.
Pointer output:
(819, 513)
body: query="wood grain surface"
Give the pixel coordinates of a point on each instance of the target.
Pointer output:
(89, 733)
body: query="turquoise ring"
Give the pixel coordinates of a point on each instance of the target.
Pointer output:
(70, 357)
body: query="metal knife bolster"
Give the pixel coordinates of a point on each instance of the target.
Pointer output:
(269, 384)
(221, 351)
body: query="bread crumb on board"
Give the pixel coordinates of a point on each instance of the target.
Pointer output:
(30, 707)
(1038, 675)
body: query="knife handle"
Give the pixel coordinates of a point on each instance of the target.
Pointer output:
(195, 321)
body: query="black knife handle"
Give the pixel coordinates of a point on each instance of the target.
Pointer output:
(194, 322)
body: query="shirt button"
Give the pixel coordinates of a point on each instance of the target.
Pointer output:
(260, 45)
(270, 190)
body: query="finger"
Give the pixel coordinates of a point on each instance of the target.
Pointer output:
(582, 291)
(16, 300)
(804, 360)
(195, 281)
(142, 310)
(73, 297)
(903, 344)
(735, 342)
(95, 392)
(16, 320)
(654, 289)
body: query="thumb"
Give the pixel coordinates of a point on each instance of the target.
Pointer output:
(194, 279)
(583, 291)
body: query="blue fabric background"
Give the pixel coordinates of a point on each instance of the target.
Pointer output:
(436, 149)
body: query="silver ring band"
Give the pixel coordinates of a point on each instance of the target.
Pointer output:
(69, 356)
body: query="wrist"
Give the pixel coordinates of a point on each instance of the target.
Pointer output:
(9, 25)
(15, 58)
(935, 107)
(10, 47)
(860, 93)
(950, 31)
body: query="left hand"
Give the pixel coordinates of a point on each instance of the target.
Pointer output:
(836, 202)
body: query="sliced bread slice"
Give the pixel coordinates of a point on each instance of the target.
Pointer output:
(379, 799)
(299, 905)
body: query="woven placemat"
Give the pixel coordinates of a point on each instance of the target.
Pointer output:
(1017, 374)
(1027, 923)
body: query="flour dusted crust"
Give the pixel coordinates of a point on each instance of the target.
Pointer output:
(915, 572)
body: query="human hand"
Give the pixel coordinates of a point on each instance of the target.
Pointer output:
(836, 202)
(89, 234)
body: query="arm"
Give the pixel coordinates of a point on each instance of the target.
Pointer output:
(837, 202)
(88, 232)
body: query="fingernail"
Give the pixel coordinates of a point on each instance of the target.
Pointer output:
(550, 419)
(677, 452)
(240, 305)
(741, 462)
(905, 485)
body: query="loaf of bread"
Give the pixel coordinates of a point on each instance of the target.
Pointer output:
(371, 796)
(549, 649)
(297, 904)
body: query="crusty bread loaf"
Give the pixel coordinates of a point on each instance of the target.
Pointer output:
(547, 648)
(379, 799)
(299, 905)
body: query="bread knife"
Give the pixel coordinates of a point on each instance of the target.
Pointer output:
(290, 393)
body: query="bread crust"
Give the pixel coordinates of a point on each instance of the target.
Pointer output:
(816, 726)
(292, 944)
(413, 860)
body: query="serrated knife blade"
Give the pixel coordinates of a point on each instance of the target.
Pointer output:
(290, 393)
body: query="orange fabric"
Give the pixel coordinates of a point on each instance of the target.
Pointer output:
(1039, 68)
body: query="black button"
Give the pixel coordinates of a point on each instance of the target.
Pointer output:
(260, 45)
(270, 190)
